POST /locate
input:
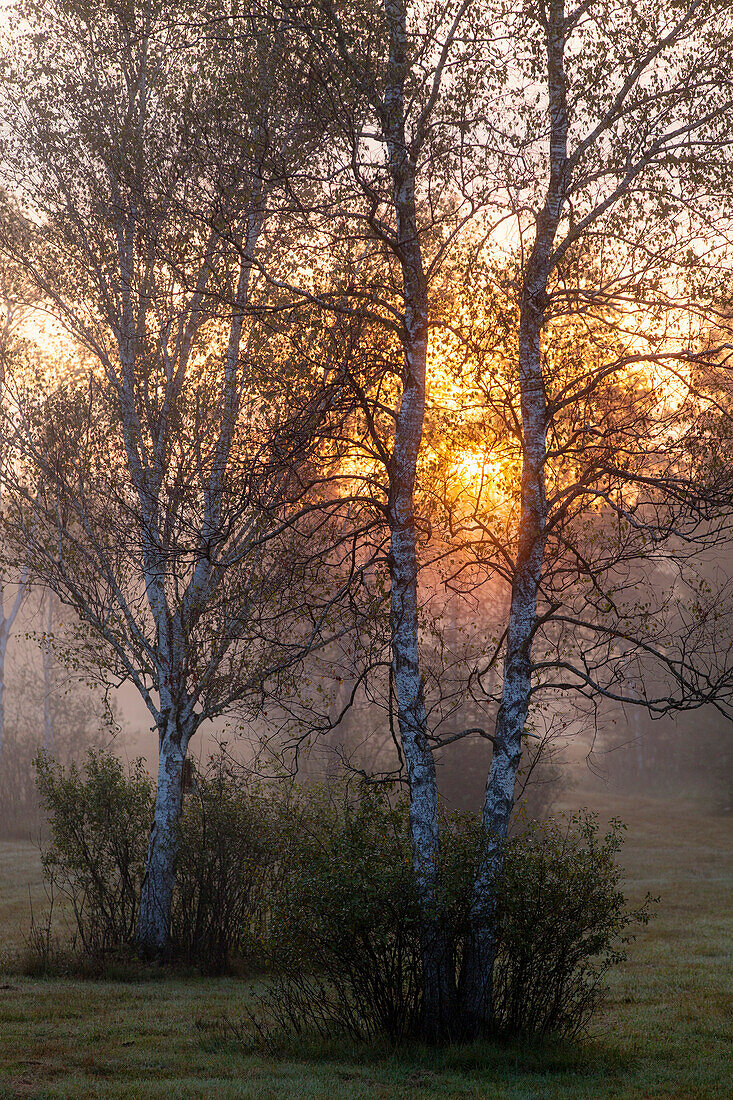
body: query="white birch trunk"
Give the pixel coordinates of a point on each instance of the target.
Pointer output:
(437, 971)
(48, 731)
(437, 961)
(477, 974)
(173, 626)
(153, 926)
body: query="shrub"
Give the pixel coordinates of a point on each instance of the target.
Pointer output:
(319, 882)
(345, 934)
(99, 819)
(227, 861)
(346, 930)
(563, 922)
(227, 858)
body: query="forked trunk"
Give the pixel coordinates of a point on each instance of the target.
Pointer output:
(154, 918)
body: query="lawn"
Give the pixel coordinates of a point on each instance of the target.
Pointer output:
(665, 1031)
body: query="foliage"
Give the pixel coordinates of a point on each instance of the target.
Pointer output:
(562, 924)
(664, 1032)
(227, 862)
(227, 857)
(319, 881)
(99, 819)
(345, 939)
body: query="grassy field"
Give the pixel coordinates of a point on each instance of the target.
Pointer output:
(666, 1030)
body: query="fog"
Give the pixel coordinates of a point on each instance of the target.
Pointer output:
(51, 705)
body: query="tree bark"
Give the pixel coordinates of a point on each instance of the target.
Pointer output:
(477, 973)
(476, 978)
(48, 730)
(438, 973)
(437, 959)
(154, 918)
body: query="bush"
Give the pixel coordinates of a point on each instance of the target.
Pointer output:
(562, 923)
(227, 864)
(227, 858)
(99, 820)
(318, 882)
(345, 935)
(346, 929)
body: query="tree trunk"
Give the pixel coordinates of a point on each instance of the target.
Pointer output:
(3, 650)
(477, 974)
(48, 731)
(476, 979)
(438, 971)
(153, 925)
(439, 998)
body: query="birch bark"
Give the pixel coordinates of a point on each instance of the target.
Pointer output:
(157, 891)
(476, 977)
(438, 975)
(48, 730)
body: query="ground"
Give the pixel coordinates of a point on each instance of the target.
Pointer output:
(665, 1031)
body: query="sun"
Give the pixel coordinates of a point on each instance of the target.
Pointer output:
(471, 468)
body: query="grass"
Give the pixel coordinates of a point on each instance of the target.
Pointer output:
(665, 1031)
(21, 884)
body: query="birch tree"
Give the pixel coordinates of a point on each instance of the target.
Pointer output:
(614, 149)
(151, 489)
(591, 146)
(392, 196)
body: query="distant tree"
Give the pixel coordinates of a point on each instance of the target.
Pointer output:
(14, 583)
(40, 694)
(47, 651)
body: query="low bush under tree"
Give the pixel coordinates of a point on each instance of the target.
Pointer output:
(345, 931)
(563, 922)
(99, 818)
(227, 868)
(317, 882)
